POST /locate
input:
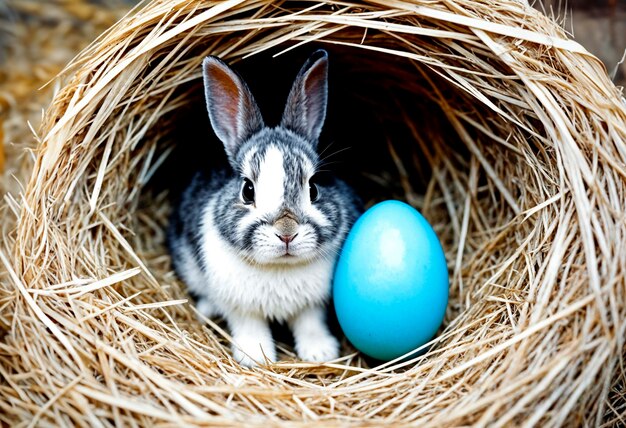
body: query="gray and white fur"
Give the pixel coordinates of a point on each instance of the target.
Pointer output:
(258, 242)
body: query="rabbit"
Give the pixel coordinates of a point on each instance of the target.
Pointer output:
(257, 242)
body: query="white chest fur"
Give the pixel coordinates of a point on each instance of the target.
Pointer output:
(273, 292)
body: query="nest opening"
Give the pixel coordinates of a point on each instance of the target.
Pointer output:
(387, 138)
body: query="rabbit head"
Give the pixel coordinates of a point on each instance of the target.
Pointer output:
(275, 211)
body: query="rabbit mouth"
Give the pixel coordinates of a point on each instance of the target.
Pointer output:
(288, 255)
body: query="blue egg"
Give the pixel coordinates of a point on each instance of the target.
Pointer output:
(391, 282)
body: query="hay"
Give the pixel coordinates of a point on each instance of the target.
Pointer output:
(36, 43)
(508, 136)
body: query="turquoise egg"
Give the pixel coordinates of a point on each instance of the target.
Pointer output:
(390, 287)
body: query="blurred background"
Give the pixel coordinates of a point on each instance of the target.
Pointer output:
(39, 37)
(599, 25)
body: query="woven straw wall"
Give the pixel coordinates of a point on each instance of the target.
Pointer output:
(508, 136)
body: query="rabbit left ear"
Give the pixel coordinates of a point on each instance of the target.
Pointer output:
(306, 105)
(232, 109)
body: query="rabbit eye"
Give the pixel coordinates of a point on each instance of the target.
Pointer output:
(314, 192)
(247, 192)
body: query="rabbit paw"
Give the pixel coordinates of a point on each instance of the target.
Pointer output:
(318, 348)
(250, 351)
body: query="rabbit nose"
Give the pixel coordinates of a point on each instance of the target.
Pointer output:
(287, 238)
(286, 225)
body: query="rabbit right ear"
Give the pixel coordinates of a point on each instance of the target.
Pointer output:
(306, 104)
(232, 109)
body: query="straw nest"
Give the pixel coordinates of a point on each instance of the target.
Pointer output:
(504, 133)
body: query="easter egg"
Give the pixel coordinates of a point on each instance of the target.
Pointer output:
(390, 287)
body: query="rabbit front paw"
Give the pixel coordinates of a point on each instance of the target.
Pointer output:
(318, 348)
(251, 351)
(252, 339)
(314, 342)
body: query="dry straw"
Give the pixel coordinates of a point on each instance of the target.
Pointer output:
(520, 169)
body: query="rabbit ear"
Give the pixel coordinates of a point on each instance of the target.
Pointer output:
(306, 105)
(232, 109)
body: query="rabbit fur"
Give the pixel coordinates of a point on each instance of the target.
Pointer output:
(258, 242)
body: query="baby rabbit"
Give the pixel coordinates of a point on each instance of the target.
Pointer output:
(259, 241)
